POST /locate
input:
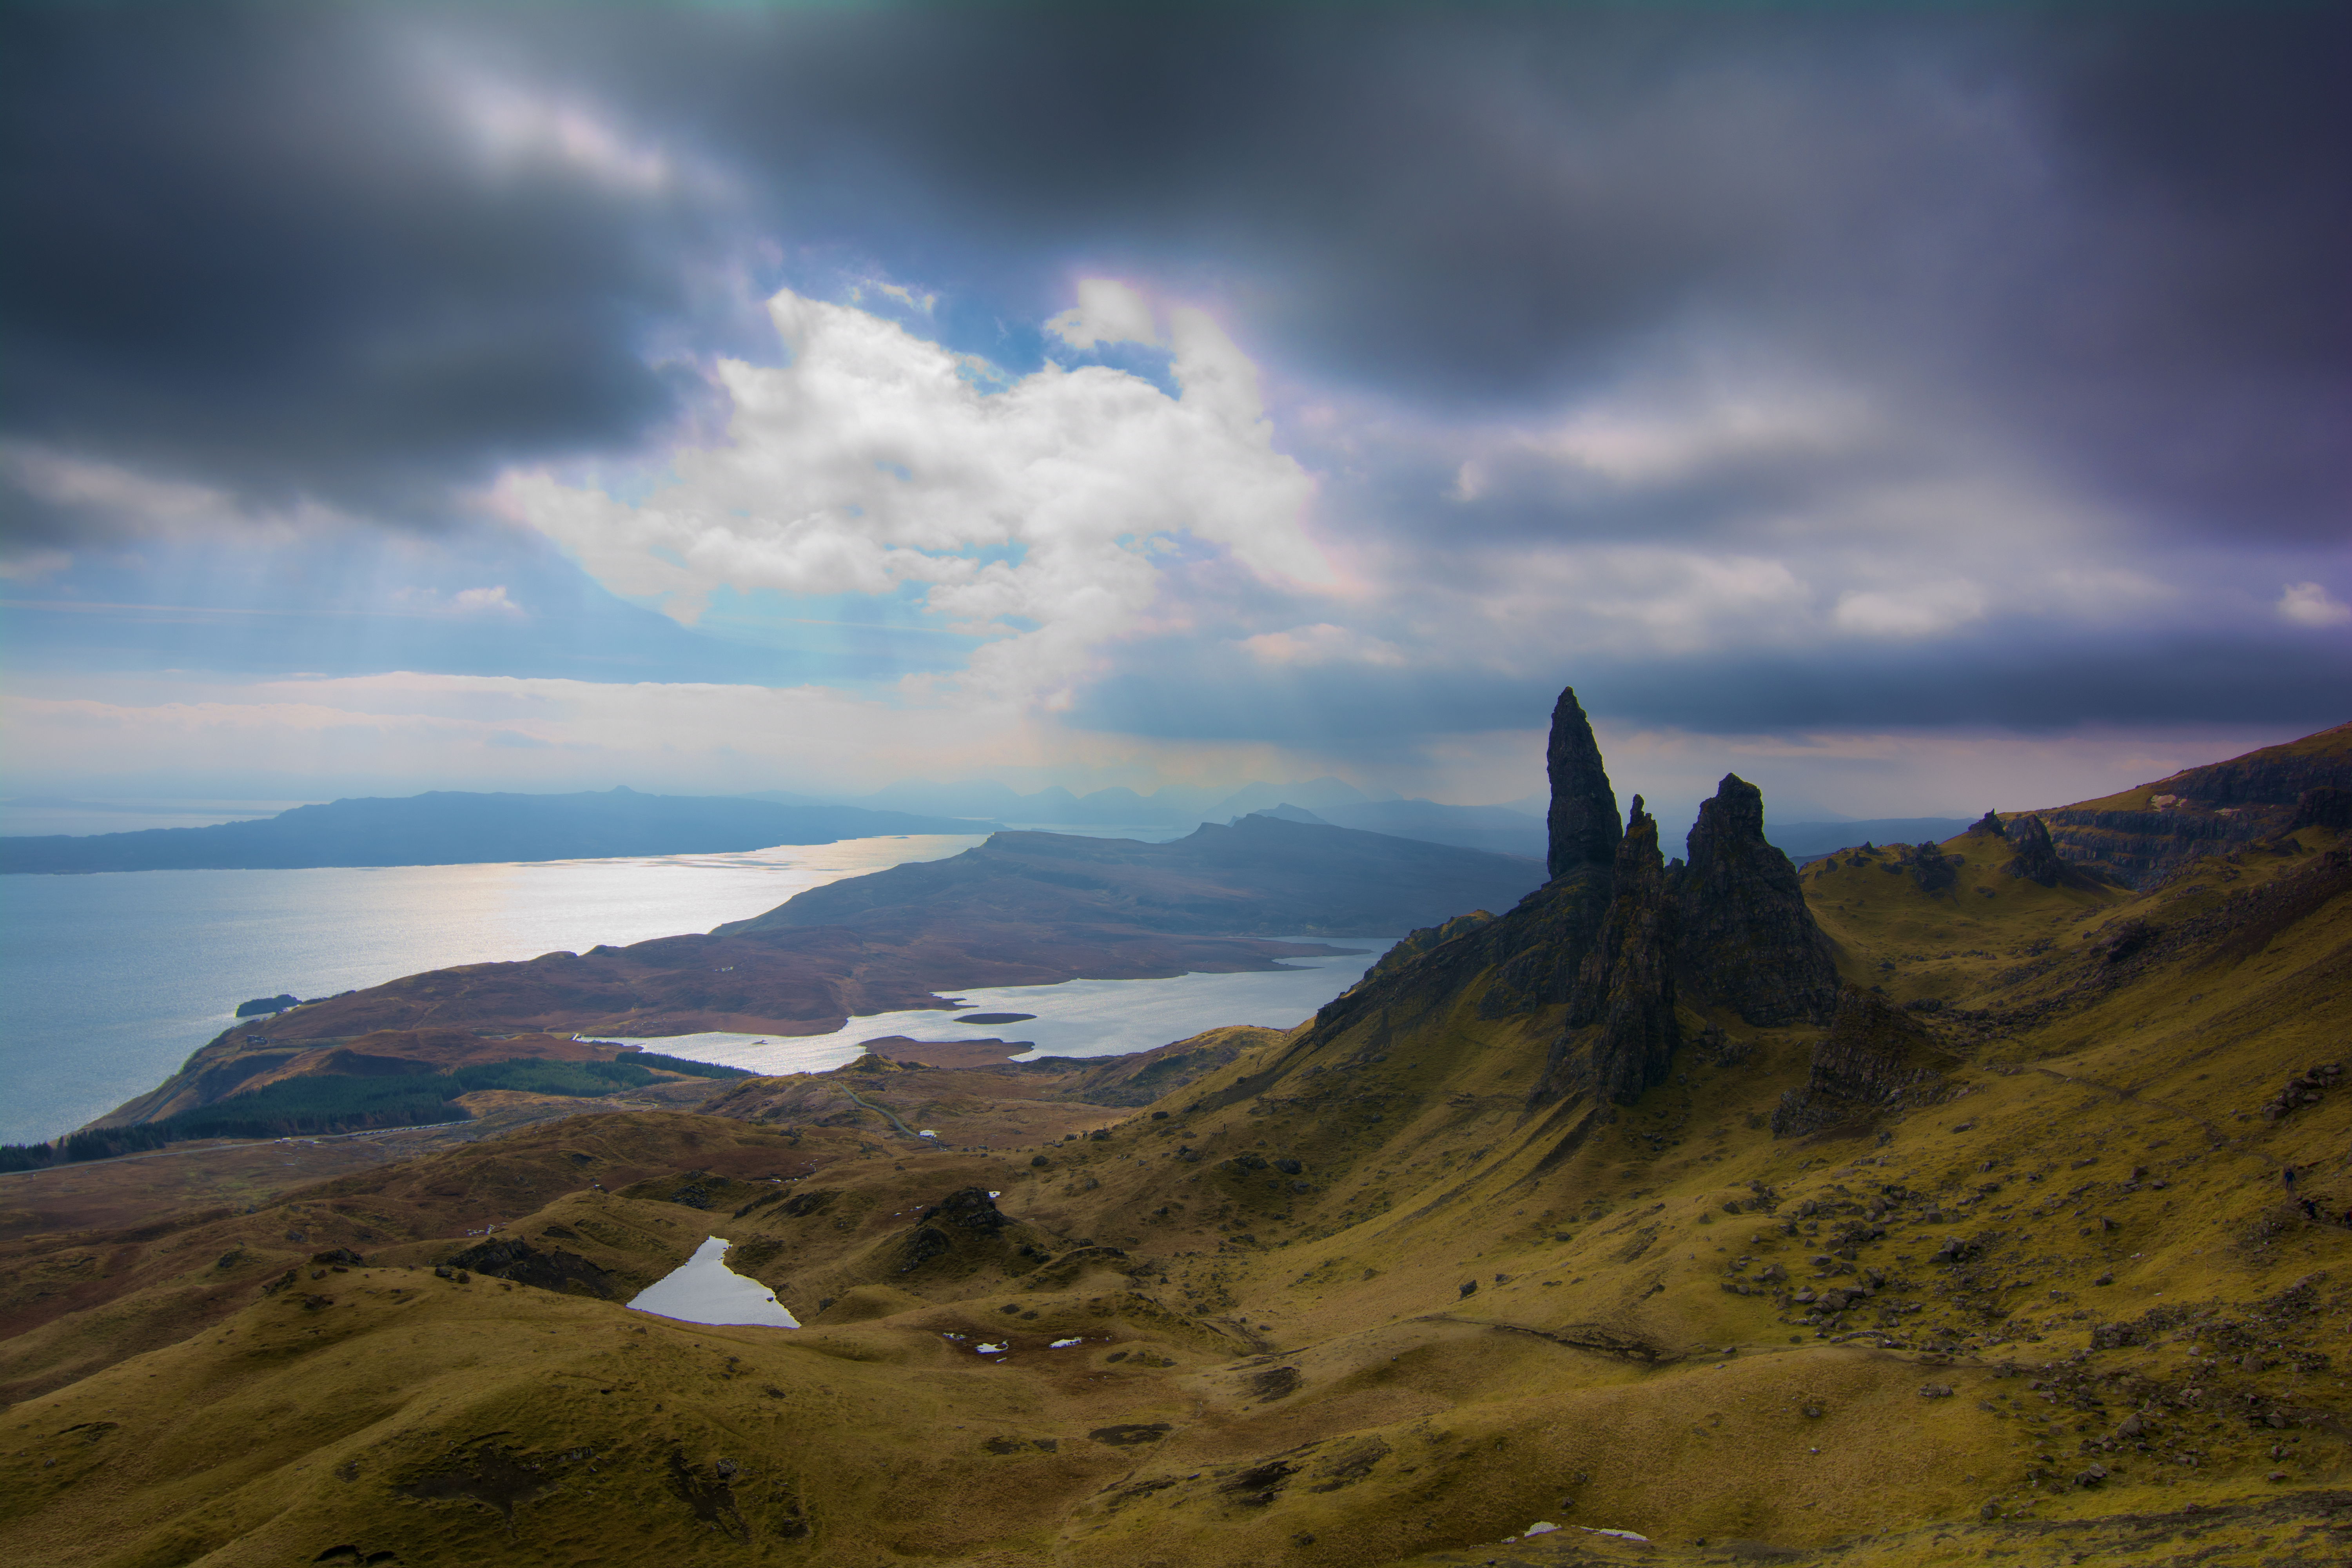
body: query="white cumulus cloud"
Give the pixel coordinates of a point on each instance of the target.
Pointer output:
(1108, 311)
(1039, 513)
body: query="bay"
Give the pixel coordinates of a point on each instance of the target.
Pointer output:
(1074, 1018)
(111, 980)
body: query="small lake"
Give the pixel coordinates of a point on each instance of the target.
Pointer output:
(111, 980)
(703, 1290)
(1075, 1018)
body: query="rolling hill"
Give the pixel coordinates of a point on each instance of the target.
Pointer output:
(1922, 1207)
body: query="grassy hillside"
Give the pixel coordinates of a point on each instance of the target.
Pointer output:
(1348, 1298)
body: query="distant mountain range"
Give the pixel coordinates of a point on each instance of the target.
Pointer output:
(450, 828)
(1175, 805)
(447, 827)
(1496, 829)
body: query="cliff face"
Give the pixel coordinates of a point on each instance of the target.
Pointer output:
(2142, 836)
(1874, 1059)
(1583, 815)
(2326, 807)
(1747, 941)
(2275, 775)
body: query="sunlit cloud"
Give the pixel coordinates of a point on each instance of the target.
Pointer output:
(1037, 515)
(1108, 311)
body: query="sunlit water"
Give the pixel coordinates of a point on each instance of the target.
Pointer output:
(1075, 1018)
(703, 1290)
(111, 980)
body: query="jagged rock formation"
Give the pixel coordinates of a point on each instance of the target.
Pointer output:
(1989, 825)
(1873, 1059)
(2036, 860)
(1583, 815)
(1536, 947)
(1745, 939)
(1621, 1033)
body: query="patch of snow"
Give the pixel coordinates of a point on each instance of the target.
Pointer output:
(1539, 1527)
(927, 1132)
(996, 1194)
(1065, 1345)
(990, 1349)
(1620, 1534)
(703, 1290)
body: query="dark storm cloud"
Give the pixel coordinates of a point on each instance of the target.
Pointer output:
(247, 251)
(257, 247)
(2120, 234)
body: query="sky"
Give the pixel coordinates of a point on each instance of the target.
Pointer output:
(1914, 409)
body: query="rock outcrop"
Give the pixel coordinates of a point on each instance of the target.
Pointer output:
(2036, 860)
(1932, 870)
(2324, 806)
(1874, 1059)
(1620, 1033)
(1989, 825)
(1583, 815)
(510, 1258)
(1746, 940)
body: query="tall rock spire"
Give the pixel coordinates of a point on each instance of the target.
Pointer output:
(1583, 818)
(1621, 1031)
(1747, 941)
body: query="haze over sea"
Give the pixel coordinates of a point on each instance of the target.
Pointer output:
(113, 979)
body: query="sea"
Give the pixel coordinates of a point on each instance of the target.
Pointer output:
(111, 980)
